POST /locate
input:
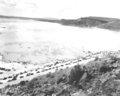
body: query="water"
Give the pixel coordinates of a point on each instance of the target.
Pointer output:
(37, 42)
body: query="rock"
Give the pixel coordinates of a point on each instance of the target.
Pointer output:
(9, 93)
(111, 87)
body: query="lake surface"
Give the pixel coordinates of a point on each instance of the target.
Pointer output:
(38, 42)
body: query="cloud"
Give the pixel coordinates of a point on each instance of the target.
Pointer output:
(16, 7)
(17, 3)
(8, 3)
(60, 8)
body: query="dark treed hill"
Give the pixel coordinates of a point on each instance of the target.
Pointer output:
(114, 25)
(84, 22)
(98, 22)
(104, 18)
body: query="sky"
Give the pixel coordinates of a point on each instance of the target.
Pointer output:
(60, 8)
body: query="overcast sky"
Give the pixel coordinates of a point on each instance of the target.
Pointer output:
(60, 8)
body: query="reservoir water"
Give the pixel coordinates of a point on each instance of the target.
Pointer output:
(37, 42)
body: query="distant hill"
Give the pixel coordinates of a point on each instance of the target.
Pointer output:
(85, 22)
(29, 18)
(89, 22)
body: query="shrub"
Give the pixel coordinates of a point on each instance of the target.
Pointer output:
(32, 83)
(22, 83)
(75, 74)
(50, 75)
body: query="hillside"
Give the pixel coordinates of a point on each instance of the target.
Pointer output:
(96, 78)
(84, 22)
(113, 25)
(89, 22)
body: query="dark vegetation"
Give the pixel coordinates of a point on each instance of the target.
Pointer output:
(100, 77)
(98, 22)
(115, 26)
(84, 22)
